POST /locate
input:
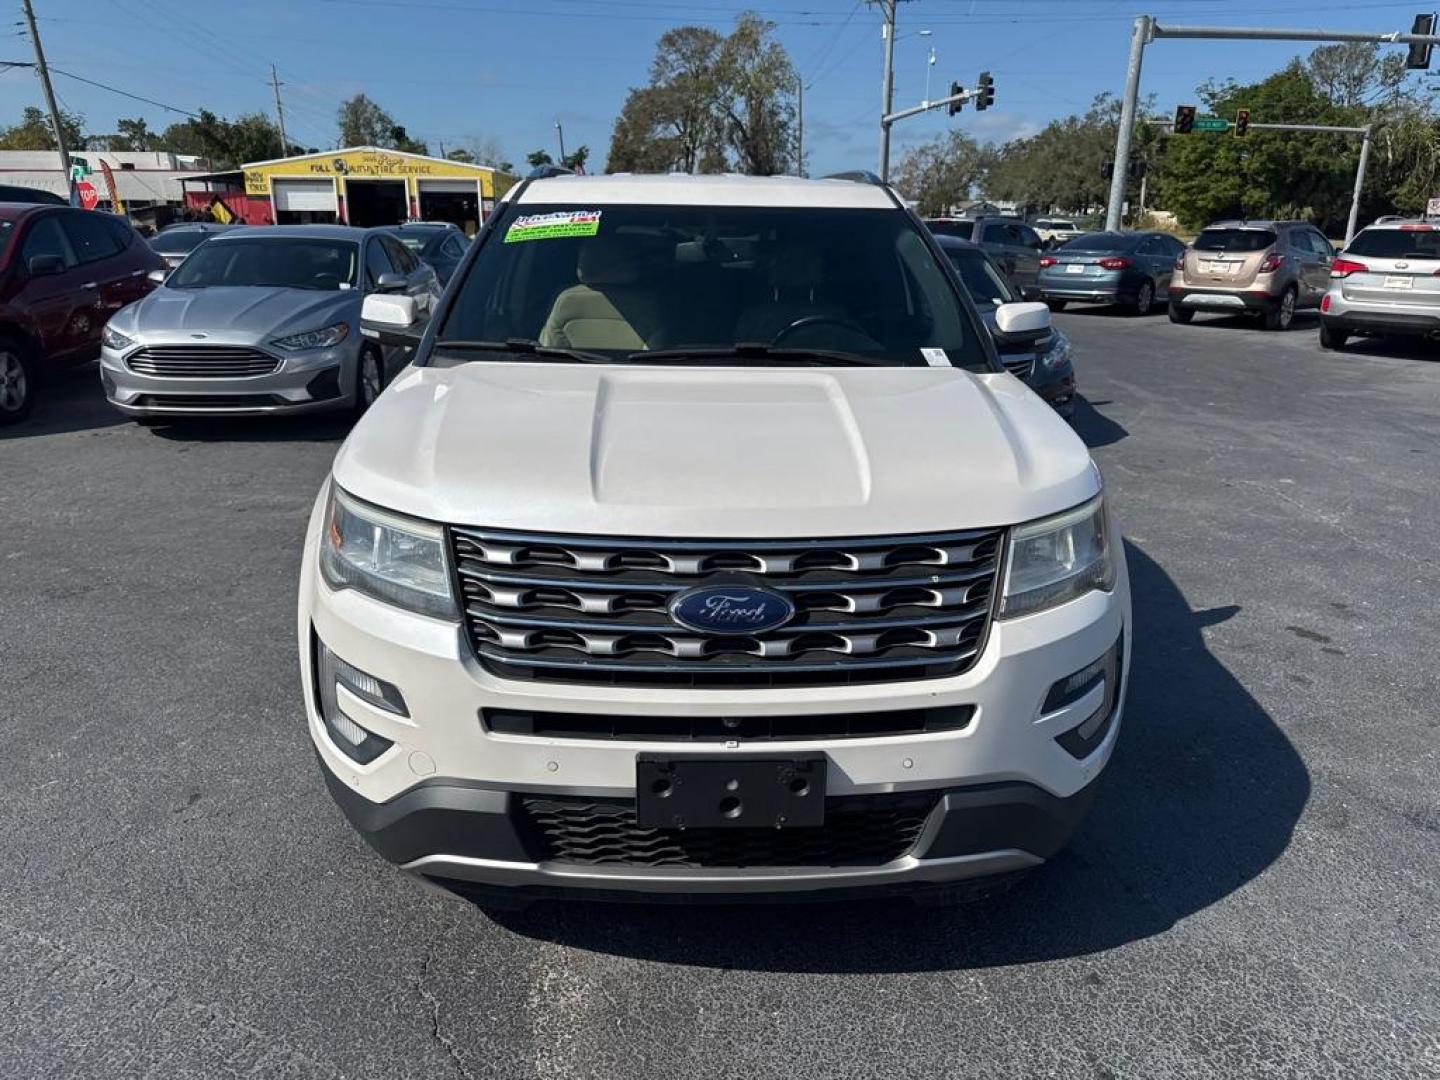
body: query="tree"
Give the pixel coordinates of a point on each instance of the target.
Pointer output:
(576, 158)
(130, 135)
(35, 133)
(460, 154)
(364, 123)
(940, 173)
(1356, 74)
(713, 103)
(536, 158)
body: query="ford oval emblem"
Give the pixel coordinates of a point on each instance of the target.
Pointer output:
(731, 609)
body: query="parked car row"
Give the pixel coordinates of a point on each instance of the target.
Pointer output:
(195, 344)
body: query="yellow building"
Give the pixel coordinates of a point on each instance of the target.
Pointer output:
(363, 185)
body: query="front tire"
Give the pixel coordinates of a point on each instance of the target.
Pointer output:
(1144, 298)
(369, 380)
(1181, 314)
(1284, 313)
(17, 381)
(1333, 338)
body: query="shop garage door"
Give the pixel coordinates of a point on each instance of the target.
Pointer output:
(305, 196)
(455, 201)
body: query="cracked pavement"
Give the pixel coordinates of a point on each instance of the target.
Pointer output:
(1255, 894)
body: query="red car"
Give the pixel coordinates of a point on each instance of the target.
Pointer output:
(63, 273)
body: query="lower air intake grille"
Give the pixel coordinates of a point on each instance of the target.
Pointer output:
(860, 725)
(595, 610)
(861, 830)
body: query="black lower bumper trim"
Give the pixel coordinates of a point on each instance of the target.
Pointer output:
(1380, 322)
(449, 817)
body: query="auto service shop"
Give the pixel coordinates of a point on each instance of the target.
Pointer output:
(362, 186)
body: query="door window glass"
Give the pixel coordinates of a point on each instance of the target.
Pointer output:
(46, 238)
(90, 236)
(377, 262)
(401, 257)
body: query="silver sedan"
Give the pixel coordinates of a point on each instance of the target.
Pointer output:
(263, 320)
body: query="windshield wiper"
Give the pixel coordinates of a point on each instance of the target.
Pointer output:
(526, 347)
(756, 350)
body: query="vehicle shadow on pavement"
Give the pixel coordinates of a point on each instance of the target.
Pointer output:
(1093, 426)
(1202, 795)
(67, 401)
(315, 427)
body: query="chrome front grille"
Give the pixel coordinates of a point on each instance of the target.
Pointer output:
(202, 361)
(1019, 364)
(596, 610)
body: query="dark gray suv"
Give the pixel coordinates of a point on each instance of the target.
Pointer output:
(1009, 241)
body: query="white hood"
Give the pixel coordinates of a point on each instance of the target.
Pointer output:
(714, 452)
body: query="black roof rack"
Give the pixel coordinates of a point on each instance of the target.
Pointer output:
(544, 172)
(857, 176)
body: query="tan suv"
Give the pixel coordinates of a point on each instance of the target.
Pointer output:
(1269, 268)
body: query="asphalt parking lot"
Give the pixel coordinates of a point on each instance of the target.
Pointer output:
(1256, 894)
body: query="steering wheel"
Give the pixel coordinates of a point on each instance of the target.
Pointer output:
(807, 321)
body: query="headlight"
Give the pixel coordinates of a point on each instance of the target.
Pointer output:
(314, 339)
(395, 559)
(1057, 559)
(113, 339)
(1058, 354)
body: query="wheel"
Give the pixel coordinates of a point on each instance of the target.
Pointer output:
(1180, 313)
(369, 380)
(1144, 298)
(1284, 312)
(1056, 305)
(17, 381)
(1332, 339)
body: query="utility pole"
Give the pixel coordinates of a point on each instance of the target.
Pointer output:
(887, 86)
(560, 132)
(1139, 38)
(1359, 184)
(279, 112)
(1147, 30)
(799, 125)
(44, 73)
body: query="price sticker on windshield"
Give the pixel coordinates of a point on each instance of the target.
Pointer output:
(553, 225)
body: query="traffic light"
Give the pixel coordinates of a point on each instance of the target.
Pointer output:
(1242, 123)
(956, 106)
(1184, 119)
(1418, 59)
(984, 91)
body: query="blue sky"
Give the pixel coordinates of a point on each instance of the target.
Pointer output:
(453, 70)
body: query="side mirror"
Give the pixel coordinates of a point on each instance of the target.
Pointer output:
(391, 319)
(1022, 320)
(157, 277)
(391, 283)
(45, 265)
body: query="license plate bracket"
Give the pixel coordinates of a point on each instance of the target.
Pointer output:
(695, 792)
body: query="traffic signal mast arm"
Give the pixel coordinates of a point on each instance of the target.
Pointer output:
(915, 110)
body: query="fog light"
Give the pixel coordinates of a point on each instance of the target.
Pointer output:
(350, 738)
(1084, 738)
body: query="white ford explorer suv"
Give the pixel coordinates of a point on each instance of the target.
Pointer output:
(707, 548)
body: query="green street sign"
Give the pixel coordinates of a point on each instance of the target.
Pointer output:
(1211, 123)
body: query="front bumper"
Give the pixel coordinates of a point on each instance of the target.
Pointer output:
(315, 380)
(1056, 386)
(442, 799)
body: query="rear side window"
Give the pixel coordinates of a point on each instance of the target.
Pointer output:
(121, 229)
(963, 229)
(45, 238)
(1234, 240)
(401, 257)
(90, 236)
(377, 262)
(1396, 243)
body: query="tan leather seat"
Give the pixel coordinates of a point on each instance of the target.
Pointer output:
(611, 308)
(796, 275)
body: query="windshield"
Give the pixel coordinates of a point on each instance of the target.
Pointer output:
(982, 281)
(963, 229)
(180, 241)
(1401, 243)
(1099, 242)
(1234, 240)
(1068, 226)
(413, 242)
(618, 281)
(275, 262)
